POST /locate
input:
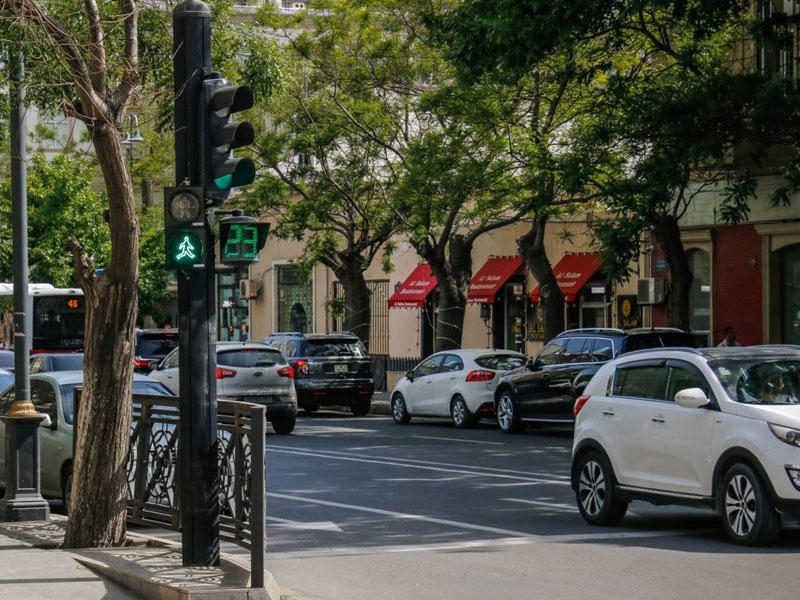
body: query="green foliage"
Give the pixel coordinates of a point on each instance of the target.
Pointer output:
(61, 202)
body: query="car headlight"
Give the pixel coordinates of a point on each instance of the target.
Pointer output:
(786, 434)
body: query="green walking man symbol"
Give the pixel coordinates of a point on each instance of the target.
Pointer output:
(187, 249)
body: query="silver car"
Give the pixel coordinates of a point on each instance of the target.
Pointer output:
(247, 372)
(52, 395)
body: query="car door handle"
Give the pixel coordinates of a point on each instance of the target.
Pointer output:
(608, 412)
(658, 419)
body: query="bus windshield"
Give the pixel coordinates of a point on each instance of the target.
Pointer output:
(58, 317)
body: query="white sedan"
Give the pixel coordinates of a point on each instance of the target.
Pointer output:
(455, 383)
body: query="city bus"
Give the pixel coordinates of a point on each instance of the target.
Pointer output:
(58, 316)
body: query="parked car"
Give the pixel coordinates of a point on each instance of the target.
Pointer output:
(6, 378)
(717, 426)
(56, 361)
(455, 383)
(152, 345)
(544, 391)
(247, 372)
(52, 394)
(6, 359)
(330, 369)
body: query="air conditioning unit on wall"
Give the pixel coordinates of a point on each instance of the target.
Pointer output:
(651, 291)
(248, 289)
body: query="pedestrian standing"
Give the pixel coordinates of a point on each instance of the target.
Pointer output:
(730, 338)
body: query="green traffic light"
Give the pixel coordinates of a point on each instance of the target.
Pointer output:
(185, 250)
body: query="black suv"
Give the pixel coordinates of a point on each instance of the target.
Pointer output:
(151, 346)
(544, 391)
(330, 369)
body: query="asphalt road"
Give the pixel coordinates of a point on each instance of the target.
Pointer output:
(363, 509)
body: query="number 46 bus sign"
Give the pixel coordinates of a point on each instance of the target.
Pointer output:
(240, 239)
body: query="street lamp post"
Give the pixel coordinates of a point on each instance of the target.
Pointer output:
(133, 137)
(23, 500)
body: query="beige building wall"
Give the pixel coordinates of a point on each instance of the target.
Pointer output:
(564, 235)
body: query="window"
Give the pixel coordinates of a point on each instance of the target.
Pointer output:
(452, 363)
(576, 350)
(640, 381)
(680, 378)
(43, 397)
(429, 366)
(551, 354)
(602, 350)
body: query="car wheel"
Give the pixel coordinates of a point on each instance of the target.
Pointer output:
(360, 407)
(66, 492)
(597, 499)
(747, 512)
(399, 410)
(460, 413)
(507, 417)
(283, 425)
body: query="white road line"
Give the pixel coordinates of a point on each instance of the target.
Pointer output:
(493, 543)
(306, 525)
(432, 466)
(458, 440)
(409, 516)
(559, 507)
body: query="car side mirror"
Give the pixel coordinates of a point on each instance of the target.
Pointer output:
(46, 421)
(410, 375)
(691, 398)
(531, 364)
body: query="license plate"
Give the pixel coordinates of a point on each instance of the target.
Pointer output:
(340, 368)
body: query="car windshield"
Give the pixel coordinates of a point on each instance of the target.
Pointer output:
(335, 348)
(760, 381)
(6, 379)
(155, 388)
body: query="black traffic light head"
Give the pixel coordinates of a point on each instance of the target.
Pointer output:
(240, 239)
(184, 227)
(221, 135)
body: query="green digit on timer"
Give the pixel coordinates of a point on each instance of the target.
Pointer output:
(249, 236)
(233, 247)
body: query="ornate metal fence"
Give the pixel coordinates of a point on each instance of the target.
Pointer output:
(153, 465)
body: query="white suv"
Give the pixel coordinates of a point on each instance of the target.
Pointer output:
(716, 426)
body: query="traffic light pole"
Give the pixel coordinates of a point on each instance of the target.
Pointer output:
(199, 479)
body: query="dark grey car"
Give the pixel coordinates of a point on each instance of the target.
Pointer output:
(330, 369)
(544, 391)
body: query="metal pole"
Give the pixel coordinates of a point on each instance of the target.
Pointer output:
(23, 501)
(199, 477)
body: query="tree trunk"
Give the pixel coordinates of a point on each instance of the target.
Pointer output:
(531, 248)
(102, 431)
(357, 307)
(453, 271)
(668, 234)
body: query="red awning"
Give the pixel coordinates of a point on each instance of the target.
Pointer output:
(572, 272)
(491, 277)
(413, 291)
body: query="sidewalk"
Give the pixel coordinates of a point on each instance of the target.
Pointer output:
(33, 567)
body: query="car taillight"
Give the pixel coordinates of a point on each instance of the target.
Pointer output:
(301, 366)
(141, 363)
(480, 375)
(579, 404)
(286, 372)
(223, 373)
